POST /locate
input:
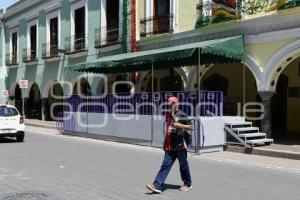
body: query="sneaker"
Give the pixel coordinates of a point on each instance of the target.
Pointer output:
(185, 188)
(154, 189)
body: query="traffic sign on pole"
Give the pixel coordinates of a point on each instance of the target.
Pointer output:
(5, 93)
(23, 84)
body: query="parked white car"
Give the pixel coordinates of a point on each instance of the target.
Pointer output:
(11, 123)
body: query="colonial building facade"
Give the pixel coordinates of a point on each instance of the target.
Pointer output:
(40, 39)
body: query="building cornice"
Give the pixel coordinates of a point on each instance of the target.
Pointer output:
(48, 6)
(20, 6)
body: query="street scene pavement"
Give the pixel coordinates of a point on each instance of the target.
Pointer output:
(71, 168)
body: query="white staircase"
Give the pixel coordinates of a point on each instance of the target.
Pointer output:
(245, 133)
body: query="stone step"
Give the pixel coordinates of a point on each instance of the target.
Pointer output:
(251, 135)
(260, 141)
(243, 129)
(238, 123)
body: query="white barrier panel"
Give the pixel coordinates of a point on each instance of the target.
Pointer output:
(139, 127)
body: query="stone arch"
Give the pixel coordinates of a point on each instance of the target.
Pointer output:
(33, 102)
(142, 75)
(15, 94)
(249, 62)
(277, 63)
(53, 94)
(83, 84)
(12, 89)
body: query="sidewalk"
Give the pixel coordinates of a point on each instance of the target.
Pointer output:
(288, 151)
(40, 123)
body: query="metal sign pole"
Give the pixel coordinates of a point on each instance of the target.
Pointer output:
(23, 102)
(199, 99)
(152, 100)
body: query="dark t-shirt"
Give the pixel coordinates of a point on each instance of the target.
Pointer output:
(174, 136)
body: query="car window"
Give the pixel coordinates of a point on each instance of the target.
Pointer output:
(8, 112)
(4, 112)
(13, 112)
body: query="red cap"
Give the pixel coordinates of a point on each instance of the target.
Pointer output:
(172, 100)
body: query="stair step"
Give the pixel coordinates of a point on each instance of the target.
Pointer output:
(260, 141)
(238, 123)
(248, 135)
(245, 129)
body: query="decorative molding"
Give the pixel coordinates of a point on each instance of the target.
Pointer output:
(12, 25)
(36, 10)
(73, 1)
(269, 73)
(19, 6)
(32, 16)
(273, 36)
(256, 71)
(53, 7)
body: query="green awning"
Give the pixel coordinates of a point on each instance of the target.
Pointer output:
(225, 50)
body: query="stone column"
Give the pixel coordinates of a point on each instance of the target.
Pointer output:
(45, 109)
(266, 122)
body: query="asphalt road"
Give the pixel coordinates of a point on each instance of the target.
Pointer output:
(84, 169)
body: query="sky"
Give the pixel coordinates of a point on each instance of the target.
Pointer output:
(6, 3)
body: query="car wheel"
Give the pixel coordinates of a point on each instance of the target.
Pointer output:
(20, 138)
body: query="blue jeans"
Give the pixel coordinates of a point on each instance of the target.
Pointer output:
(169, 159)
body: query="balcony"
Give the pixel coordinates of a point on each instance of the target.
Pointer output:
(157, 25)
(11, 60)
(50, 50)
(29, 55)
(105, 36)
(76, 44)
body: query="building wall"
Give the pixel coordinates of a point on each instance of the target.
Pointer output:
(44, 71)
(187, 15)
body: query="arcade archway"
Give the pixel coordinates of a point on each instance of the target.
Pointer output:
(235, 80)
(33, 104)
(53, 107)
(82, 87)
(163, 80)
(286, 103)
(18, 99)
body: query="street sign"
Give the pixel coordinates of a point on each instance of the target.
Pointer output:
(5, 93)
(23, 84)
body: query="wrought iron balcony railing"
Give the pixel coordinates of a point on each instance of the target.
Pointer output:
(50, 50)
(105, 36)
(157, 25)
(74, 44)
(29, 55)
(11, 59)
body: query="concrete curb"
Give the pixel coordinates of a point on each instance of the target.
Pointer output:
(264, 152)
(41, 125)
